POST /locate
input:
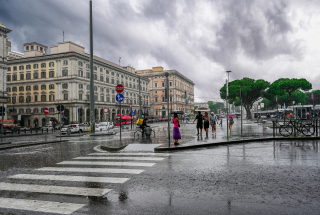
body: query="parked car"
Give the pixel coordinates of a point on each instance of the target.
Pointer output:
(65, 129)
(98, 128)
(103, 127)
(108, 124)
(75, 128)
(49, 127)
(24, 128)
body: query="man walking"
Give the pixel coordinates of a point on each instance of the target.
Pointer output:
(213, 119)
(199, 121)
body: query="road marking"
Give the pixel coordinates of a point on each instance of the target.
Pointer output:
(120, 158)
(99, 163)
(39, 206)
(133, 153)
(96, 170)
(79, 191)
(71, 178)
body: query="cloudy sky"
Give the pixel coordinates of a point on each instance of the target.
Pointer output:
(260, 39)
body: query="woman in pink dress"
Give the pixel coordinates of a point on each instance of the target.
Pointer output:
(176, 132)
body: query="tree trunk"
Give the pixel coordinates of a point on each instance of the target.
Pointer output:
(290, 95)
(247, 110)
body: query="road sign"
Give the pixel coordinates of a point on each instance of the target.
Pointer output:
(60, 107)
(46, 110)
(144, 110)
(119, 88)
(130, 110)
(130, 105)
(133, 113)
(119, 97)
(312, 96)
(105, 110)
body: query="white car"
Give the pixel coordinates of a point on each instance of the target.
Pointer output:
(108, 124)
(103, 127)
(75, 128)
(98, 128)
(65, 129)
(49, 127)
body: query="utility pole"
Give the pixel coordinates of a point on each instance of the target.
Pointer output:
(241, 108)
(92, 112)
(167, 97)
(139, 99)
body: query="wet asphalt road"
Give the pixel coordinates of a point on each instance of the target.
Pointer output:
(254, 178)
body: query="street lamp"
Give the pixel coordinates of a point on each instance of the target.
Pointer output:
(227, 95)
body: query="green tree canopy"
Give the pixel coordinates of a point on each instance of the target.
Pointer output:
(220, 106)
(251, 91)
(316, 97)
(286, 85)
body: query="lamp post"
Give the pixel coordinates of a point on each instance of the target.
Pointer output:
(227, 105)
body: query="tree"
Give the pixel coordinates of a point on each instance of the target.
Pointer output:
(297, 96)
(213, 107)
(220, 105)
(316, 97)
(286, 85)
(251, 91)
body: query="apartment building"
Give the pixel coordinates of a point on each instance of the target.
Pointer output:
(181, 91)
(42, 80)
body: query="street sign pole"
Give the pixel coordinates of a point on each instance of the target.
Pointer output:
(60, 124)
(139, 99)
(241, 109)
(167, 94)
(119, 98)
(45, 133)
(131, 112)
(227, 109)
(120, 122)
(79, 112)
(2, 122)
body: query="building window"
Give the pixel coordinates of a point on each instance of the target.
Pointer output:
(21, 76)
(95, 77)
(87, 65)
(43, 87)
(28, 110)
(134, 86)
(36, 98)
(170, 83)
(43, 74)
(28, 76)
(51, 98)
(28, 99)
(14, 77)
(80, 73)
(8, 89)
(101, 70)
(107, 79)
(162, 84)
(102, 98)
(95, 88)
(108, 99)
(43, 99)
(155, 85)
(117, 74)
(65, 72)
(28, 66)
(122, 83)
(156, 99)
(51, 86)
(107, 71)
(88, 97)
(21, 88)
(31, 47)
(101, 89)
(107, 90)
(35, 66)
(42, 110)
(35, 110)
(51, 74)
(95, 68)
(14, 68)
(101, 78)
(162, 99)
(65, 62)
(80, 96)
(112, 73)
(51, 110)
(43, 65)
(9, 69)
(126, 84)
(88, 87)
(130, 85)
(28, 88)
(14, 100)
(112, 81)
(117, 81)
(95, 98)
(35, 75)
(80, 86)
(21, 111)
(88, 75)
(65, 85)
(65, 96)
(51, 64)
(35, 87)
(21, 67)
(8, 77)
(80, 63)
(113, 100)
(21, 99)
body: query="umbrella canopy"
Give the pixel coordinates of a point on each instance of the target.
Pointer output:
(177, 112)
(202, 109)
(231, 114)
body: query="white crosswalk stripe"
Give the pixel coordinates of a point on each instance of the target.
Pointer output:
(78, 191)
(92, 170)
(39, 206)
(83, 166)
(99, 163)
(120, 158)
(133, 153)
(71, 178)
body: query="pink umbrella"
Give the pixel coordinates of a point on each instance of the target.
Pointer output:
(231, 115)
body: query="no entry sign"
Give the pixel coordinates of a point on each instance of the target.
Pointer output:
(105, 110)
(119, 88)
(312, 96)
(46, 110)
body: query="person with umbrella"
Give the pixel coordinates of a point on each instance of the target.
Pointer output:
(230, 117)
(199, 118)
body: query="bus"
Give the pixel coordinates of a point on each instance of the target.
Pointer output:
(125, 120)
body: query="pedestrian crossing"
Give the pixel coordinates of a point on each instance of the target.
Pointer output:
(44, 180)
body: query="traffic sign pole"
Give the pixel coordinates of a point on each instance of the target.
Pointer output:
(3, 111)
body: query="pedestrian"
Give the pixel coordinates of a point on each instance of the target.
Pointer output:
(220, 122)
(199, 121)
(206, 123)
(213, 122)
(230, 123)
(176, 132)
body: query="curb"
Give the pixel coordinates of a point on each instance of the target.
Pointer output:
(113, 133)
(10, 146)
(22, 135)
(178, 148)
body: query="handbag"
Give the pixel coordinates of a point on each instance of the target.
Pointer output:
(178, 125)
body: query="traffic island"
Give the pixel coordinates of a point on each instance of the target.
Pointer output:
(17, 145)
(104, 134)
(165, 148)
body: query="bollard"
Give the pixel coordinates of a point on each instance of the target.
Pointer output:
(274, 135)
